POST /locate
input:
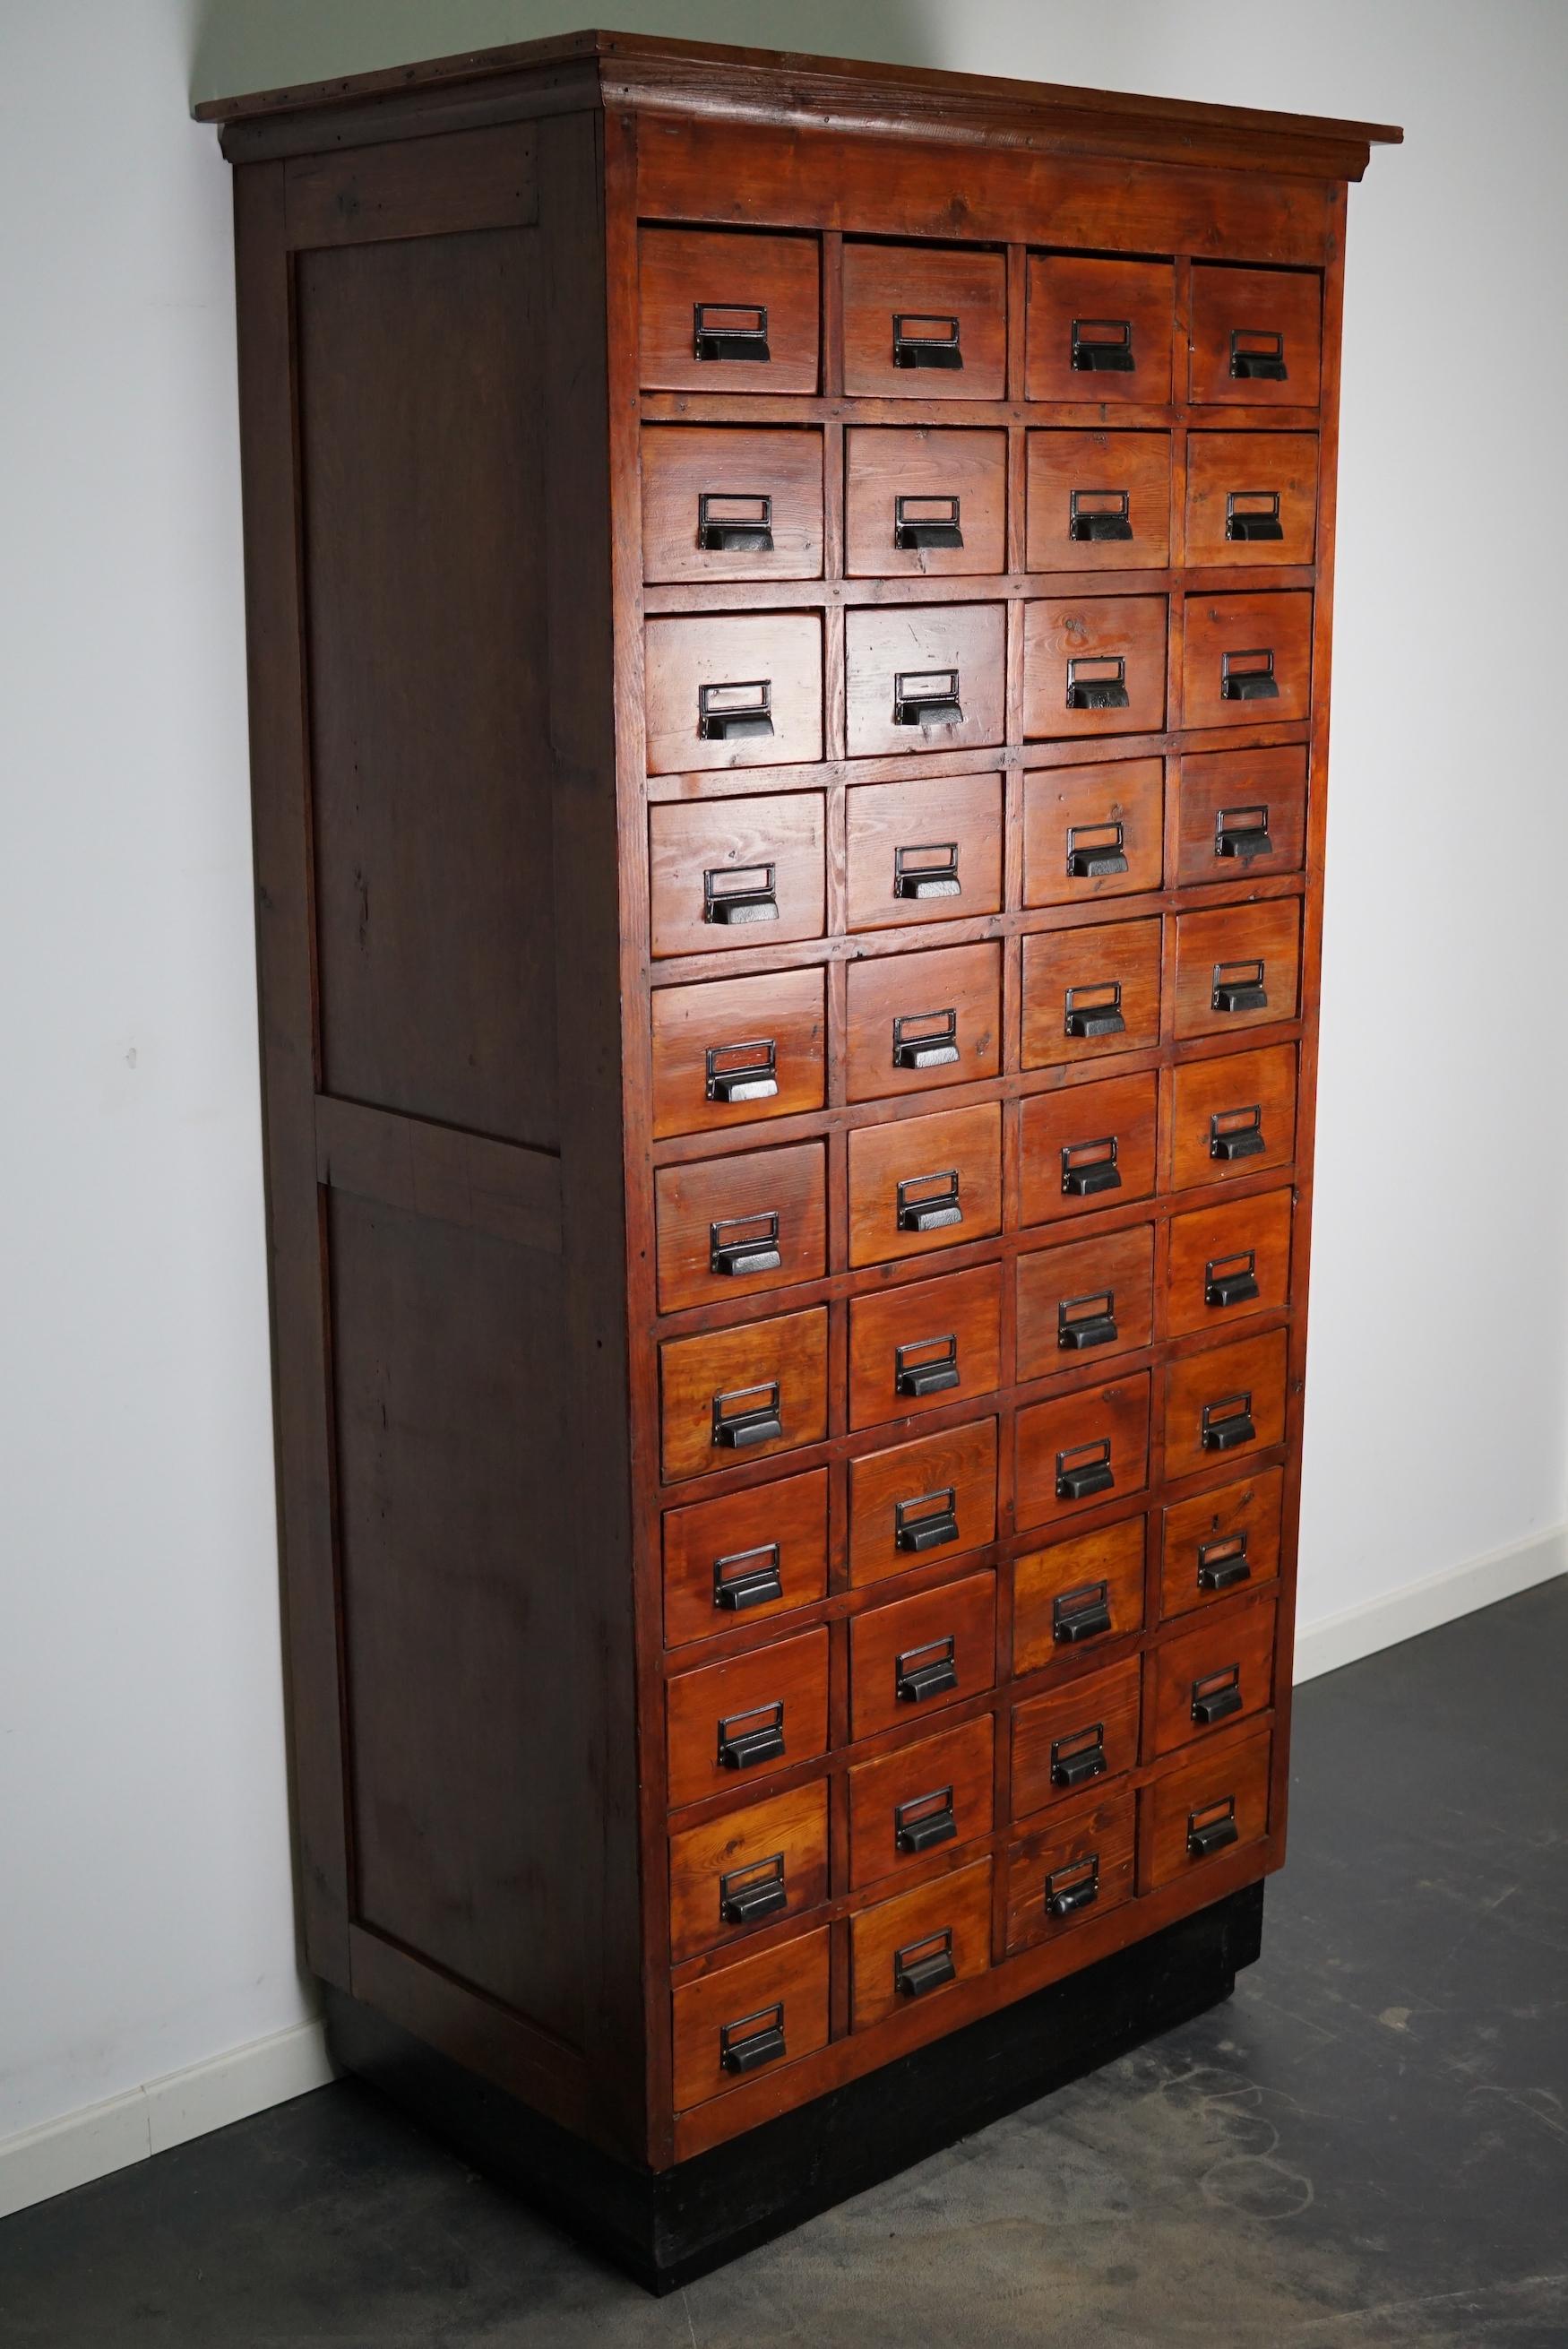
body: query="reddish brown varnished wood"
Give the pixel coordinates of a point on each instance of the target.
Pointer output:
(897, 481)
(1089, 1850)
(1109, 975)
(1090, 1721)
(1245, 1380)
(784, 1686)
(1232, 1781)
(888, 1645)
(1105, 1424)
(1079, 816)
(1245, 945)
(1229, 636)
(949, 1920)
(738, 282)
(1226, 1660)
(711, 1543)
(1129, 303)
(782, 1842)
(771, 664)
(1074, 644)
(925, 1347)
(1067, 1295)
(916, 1022)
(896, 1169)
(1245, 1094)
(1245, 1247)
(894, 1800)
(740, 2000)
(698, 480)
(1074, 476)
(1072, 1139)
(1242, 310)
(709, 1214)
(941, 295)
(1257, 795)
(918, 837)
(708, 859)
(1222, 1540)
(895, 1493)
(1234, 478)
(1113, 1557)
(701, 1033)
(711, 1386)
(895, 654)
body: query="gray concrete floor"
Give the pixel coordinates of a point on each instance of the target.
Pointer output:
(1368, 2146)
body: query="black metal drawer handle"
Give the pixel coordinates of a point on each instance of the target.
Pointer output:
(753, 2040)
(912, 528)
(1080, 1614)
(731, 330)
(1255, 682)
(1237, 1132)
(1243, 833)
(1074, 1887)
(733, 896)
(924, 338)
(917, 879)
(927, 1521)
(753, 1246)
(1085, 1322)
(1090, 1167)
(1257, 355)
(925, 1671)
(735, 713)
(1105, 691)
(1102, 346)
(1253, 514)
(926, 697)
(1216, 1696)
(1098, 523)
(1212, 1827)
(925, 1039)
(734, 523)
(1094, 1010)
(743, 1072)
(745, 1748)
(924, 1965)
(1239, 985)
(1230, 1280)
(747, 1577)
(740, 1420)
(926, 1366)
(925, 1821)
(1079, 1756)
(1223, 1564)
(746, 1895)
(935, 1210)
(1095, 851)
(1228, 1424)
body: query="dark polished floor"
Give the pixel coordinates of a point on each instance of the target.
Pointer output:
(1368, 2146)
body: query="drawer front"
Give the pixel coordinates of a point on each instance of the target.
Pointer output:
(922, 1183)
(745, 1556)
(1086, 1147)
(753, 1713)
(1071, 1739)
(1098, 502)
(1215, 1675)
(921, 1800)
(1240, 812)
(733, 1875)
(1239, 966)
(923, 677)
(1077, 1595)
(928, 851)
(737, 1050)
(1099, 330)
(1089, 994)
(1246, 660)
(733, 689)
(1232, 1117)
(1079, 1450)
(1075, 1868)
(918, 1944)
(1251, 497)
(1257, 337)
(1228, 1399)
(925, 1347)
(1227, 1262)
(756, 2015)
(1221, 1542)
(725, 312)
(922, 1654)
(918, 1020)
(1094, 665)
(736, 1395)
(731, 501)
(925, 322)
(1207, 1807)
(1087, 1301)
(735, 872)
(729, 1227)
(935, 1497)
(1093, 831)
(923, 499)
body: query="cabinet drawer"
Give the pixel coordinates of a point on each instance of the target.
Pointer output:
(756, 2015)
(724, 311)
(1095, 1297)
(924, 499)
(918, 1020)
(1079, 1450)
(728, 1227)
(1219, 1674)
(1076, 1867)
(1067, 1741)
(1238, 966)
(755, 1712)
(1093, 831)
(922, 1654)
(1207, 1807)
(1228, 1399)
(1086, 1147)
(738, 1394)
(924, 1347)
(917, 1944)
(1099, 330)
(745, 1556)
(731, 501)
(737, 1050)
(1246, 660)
(933, 1497)
(1220, 1542)
(922, 1183)
(749, 1868)
(1240, 812)
(925, 322)
(1227, 1262)
(923, 677)
(928, 851)
(1098, 502)
(920, 1800)
(1256, 337)
(734, 689)
(1235, 1116)
(735, 872)
(1251, 497)
(1090, 993)
(1094, 665)
(1077, 1595)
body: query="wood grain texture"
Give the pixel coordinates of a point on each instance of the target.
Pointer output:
(1221, 1109)
(1257, 797)
(699, 480)
(1066, 1297)
(779, 1847)
(889, 1645)
(1229, 637)
(1087, 1852)
(1227, 1262)
(950, 653)
(785, 1989)
(720, 1219)
(1091, 994)
(1081, 823)
(1072, 1571)
(1204, 1391)
(1090, 1723)
(925, 1347)
(1220, 1541)
(712, 1386)
(1074, 1141)
(1241, 480)
(941, 297)
(1229, 1783)
(768, 668)
(712, 861)
(1226, 1660)
(1271, 311)
(781, 1688)
(1075, 644)
(949, 1920)
(755, 1031)
(898, 482)
(904, 1010)
(896, 1800)
(695, 279)
(1253, 950)
(1123, 477)
(916, 835)
(897, 1493)
(898, 1172)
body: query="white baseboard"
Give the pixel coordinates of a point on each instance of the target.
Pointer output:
(1419, 1606)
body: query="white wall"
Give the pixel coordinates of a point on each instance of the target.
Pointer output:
(145, 1908)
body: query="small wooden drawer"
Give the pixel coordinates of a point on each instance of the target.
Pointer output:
(1077, 1595)
(735, 872)
(925, 322)
(924, 677)
(1227, 1262)
(1257, 337)
(1098, 502)
(737, 1050)
(1238, 966)
(1086, 1147)
(1232, 1117)
(1093, 1295)
(751, 1712)
(1093, 831)
(733, 689)
(736, 1395)
(1206, 1808)
(923, 1347)
(731, 501)
(745, 1556)
(748, 1869)
(922, 1654)
(1065, 1742)
(1079, 1450)
(919, 1943)
(1227, 1401)
(1094, 665)
(933, 1497)
(922, 1183)
(927, 851)
(1241, 813)
(1251, 497)
(729, 1227)
(918, 1020)
(906, 1805)
(724, 311)
(1076, 1868)
(1090, 993)
(756, 2015)
(924, 499)
(1219, 1674)
(1100, 331)
(1221, 1542)
(1246, 660)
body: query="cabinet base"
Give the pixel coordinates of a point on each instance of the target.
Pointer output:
(666, 2227)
